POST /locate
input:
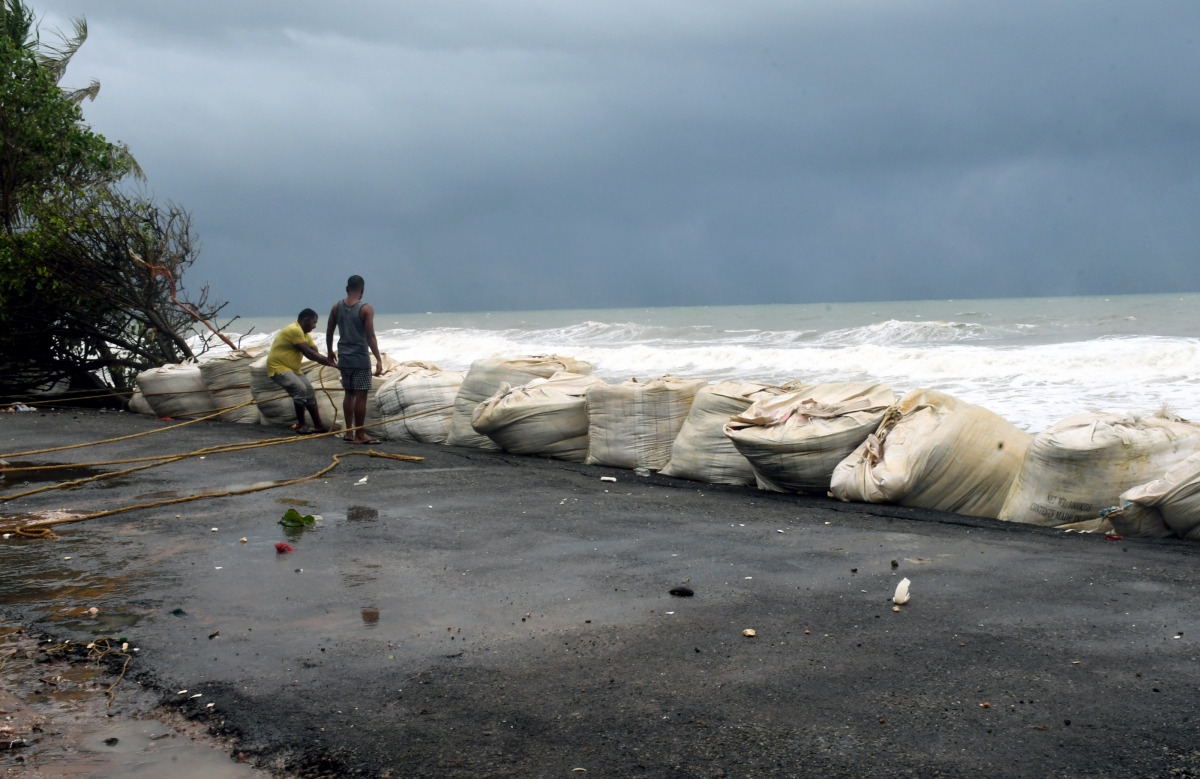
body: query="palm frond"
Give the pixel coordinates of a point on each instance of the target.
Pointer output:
(56, 58)
(17, 23)
(79, 95)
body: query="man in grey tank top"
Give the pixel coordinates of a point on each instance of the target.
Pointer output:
(354, 322)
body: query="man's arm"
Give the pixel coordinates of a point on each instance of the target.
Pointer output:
(329, 331)
(368, 319)
(315, 356)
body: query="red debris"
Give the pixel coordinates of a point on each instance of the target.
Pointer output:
(284, 548)
(1114, 537)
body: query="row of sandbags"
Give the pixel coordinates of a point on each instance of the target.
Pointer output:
(854, 441)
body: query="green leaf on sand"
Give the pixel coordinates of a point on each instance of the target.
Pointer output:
(294, 518)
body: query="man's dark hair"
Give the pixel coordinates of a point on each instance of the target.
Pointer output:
(355, 284)
(307, 313)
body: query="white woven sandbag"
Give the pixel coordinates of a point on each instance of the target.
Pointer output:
(424, 397)
(935, 451)
(1170, 505)
(272, 401)
(633, 424)
(794, 442)
(138, 404)
(546, 417)
(176, 391)
(391, 369)
(227, 377)
(702, 451)
(486, 376)
(1081, 465)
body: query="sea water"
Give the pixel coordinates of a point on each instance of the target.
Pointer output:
(1033, 361)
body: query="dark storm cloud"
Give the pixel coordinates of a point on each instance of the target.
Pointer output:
(565, 154)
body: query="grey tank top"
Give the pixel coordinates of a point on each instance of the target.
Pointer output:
(352, 351)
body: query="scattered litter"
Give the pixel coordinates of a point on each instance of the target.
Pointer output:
(895, 564)
(749, 633)
(218, 567)
(608, 478)
(214, 529)
(111, 741)
(749, 577)
(197, 695)
(1114, 537)
(985, 705)
(16, 408)
(363, 480)
(181, 692)
(807, 632)
(896, 608)
(93, 611)
(640, 472)
(293, 518)
(209, 705)
(901, 596)
(283, 547)
(242, 539)
(682, 592)
(7, 536)
(671, 612)
(66, 558)
(1074, 662)
(125, 646)
(579, 770)
(778, 531)
(214, 634)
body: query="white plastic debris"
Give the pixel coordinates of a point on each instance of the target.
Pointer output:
(749, 633)
(214, 530)
(602, 478)
(363, 480)
(901, 596)
(93, 611)
(7, 536)
(197, 695)
(181, 692)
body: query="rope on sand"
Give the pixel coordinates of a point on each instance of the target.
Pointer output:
(43, 529)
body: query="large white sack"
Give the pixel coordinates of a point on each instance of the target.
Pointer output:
(793, 442)
(138, 404)
(486, 376)
(227, 377)
(425, 398)
(1081, 465)
(391, 369)
(546, 417)
(633, 424)
(176, 391)
(1164, 506)
(274, 404)
(420, 406)
(935, 451)
(701, 451)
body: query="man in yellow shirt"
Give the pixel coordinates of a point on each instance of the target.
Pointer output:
(292, 344)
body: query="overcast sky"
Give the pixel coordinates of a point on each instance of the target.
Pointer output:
(533, 154)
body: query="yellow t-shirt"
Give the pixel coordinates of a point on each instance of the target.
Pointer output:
(284, 355)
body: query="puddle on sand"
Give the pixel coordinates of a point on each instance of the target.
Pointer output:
(42, 472)
(54, 716)
(370, 616)
(362, 512)
(294, 502)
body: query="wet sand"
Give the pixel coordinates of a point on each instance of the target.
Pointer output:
(480, 614)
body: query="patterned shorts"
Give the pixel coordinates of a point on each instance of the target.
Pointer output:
(356, 379)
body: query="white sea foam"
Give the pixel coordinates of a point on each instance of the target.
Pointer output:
(1010, 363)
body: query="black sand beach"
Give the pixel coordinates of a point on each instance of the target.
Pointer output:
(479, 614)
